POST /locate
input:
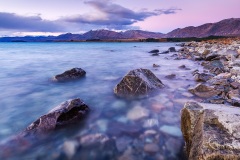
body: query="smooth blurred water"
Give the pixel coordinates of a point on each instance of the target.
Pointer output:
(27, 91)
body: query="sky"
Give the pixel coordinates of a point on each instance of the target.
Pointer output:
(54, 17)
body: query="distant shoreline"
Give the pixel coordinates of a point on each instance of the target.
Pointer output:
(137, 40)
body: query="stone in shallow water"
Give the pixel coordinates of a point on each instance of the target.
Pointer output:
(151, 148)
(137, 112)
(173, 145)
(171, 130)
(66, 113)
(69, 148)
(71, 74)
(150, 123)
(123, 142)
(138, 82)
(119, 104)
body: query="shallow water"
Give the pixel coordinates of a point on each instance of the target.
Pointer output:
(27, 92)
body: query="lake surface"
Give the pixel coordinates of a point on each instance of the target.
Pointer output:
(147, 128)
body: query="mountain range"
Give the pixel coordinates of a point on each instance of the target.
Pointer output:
(227, 27)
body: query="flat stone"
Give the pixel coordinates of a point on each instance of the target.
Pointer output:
(137, 112)
(204, 91)
(171, 130)
(151, 148)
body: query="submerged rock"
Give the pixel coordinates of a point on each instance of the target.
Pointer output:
(71, 74)
(172, 49)
(204, 91)
(170, 76)
(66, 113)
(211, 131)
(138, 82)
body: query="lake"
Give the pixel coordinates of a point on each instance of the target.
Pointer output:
(147, 128)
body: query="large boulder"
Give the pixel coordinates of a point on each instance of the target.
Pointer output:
(211, 131)
(72, 74)
(66, 113)
(138, 82)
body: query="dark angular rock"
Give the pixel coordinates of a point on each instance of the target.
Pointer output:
(164, 52)
(72, 74)
(154, 51)
(183, 67)
(138, 82)
(172, 49)
(155, 54)
(66, 113)
(211, 56)
(171, 76)
(156, 65)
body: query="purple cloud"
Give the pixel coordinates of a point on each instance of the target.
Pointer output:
(12, 21)
(116, 15)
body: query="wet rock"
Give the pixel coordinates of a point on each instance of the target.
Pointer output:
(155, 54)
(211, 56)
(156, 65)
(202, 77)
(151, 148)
(164, 52)
(154, 51)
(138, 82)
(197, 58)
(211, 131)
(123, 142)
(204, 91)
(206, 52)
(66, 113)
(235, 85)
(171, 76)
(71, 74)
(171, 130)
(172, 49)
(183, 67)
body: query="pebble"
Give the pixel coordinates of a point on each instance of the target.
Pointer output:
(149, 123)
(123, 142)
(119, 104)
(69, 148)
(151, 148)
(171, 130)
(137, 112)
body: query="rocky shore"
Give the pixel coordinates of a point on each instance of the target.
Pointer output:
(211, 128)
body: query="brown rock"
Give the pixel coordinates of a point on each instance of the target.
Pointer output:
(235, 85)
(211, 131)
(138, 82)
(171, 76)
(204, 91)
(66, 113)
(71, 74)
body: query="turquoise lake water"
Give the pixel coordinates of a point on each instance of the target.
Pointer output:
(27, 92)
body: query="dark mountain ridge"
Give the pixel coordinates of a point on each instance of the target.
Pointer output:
(227, 27)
